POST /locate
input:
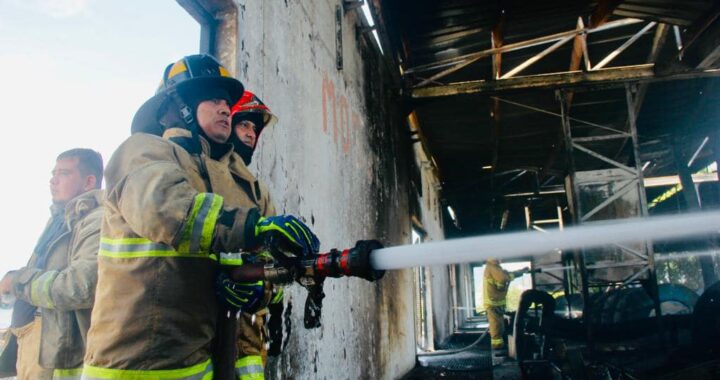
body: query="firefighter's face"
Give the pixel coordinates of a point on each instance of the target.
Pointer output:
(213, 116)
(67, 182)
(246, 132)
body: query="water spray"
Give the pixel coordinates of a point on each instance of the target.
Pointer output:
(531, 243)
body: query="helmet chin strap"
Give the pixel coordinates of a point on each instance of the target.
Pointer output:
(190, 123)
(243, 150)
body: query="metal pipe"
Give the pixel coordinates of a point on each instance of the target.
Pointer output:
(523, 244)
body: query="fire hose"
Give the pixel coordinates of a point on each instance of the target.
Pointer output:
(368, 259)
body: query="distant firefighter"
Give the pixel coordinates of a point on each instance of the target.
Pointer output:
(55, 291)
(495, 286)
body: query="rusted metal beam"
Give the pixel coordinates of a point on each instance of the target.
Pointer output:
(603, 10)
(473, 57)
(414, 124)
(580, 50)
(600, 15)
(496, 43)
(604, 78)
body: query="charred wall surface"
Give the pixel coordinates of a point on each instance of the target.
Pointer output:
(431, 218)
(338, 158)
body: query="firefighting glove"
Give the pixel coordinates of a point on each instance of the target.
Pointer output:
(290, 228)
(243, 296)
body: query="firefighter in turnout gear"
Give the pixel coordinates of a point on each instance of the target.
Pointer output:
(173, 213)
(495, 285)
(55, 290)
(249, 117)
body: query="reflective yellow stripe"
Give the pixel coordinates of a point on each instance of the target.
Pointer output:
(497, 341)
(67, 374)
(127, 248)
(279, 291)
(489, 302)
(209, 223)
(200, 225)
(186, 239)
(233, 259)
(40, 290)
(497, 284)
(202, 371)
(250, 368)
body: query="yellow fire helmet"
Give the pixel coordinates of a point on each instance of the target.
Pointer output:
(180, 77)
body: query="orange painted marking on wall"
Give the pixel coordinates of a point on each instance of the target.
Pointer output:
(328, 93)
(344, 119)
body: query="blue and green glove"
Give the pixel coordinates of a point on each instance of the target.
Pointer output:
(243, 296)
(290, 228)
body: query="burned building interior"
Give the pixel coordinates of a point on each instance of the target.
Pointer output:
(545, 115)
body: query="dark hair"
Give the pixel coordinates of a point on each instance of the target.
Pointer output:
(90, 162)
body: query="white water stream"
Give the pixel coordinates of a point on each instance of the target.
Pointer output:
(523, 244)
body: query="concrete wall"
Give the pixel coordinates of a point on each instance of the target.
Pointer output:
(337, 158)
(431, 219)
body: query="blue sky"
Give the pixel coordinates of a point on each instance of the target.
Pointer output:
(72, 74)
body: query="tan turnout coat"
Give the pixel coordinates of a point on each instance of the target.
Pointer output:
(156, 306)
(65, 288)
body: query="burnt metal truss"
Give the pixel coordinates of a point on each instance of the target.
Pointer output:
(602, 78)
(460, 62)
(593, 75)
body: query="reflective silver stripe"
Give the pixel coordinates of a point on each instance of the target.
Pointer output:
(142, 247)
(40, 290)
(199, 222)
(254, 372)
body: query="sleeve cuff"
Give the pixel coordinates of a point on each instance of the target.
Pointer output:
(251, 241)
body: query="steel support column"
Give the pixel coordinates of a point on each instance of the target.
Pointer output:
(576, 207)
(631, 94)
(623, 179)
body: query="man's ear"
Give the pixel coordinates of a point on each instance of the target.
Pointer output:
(90, 182)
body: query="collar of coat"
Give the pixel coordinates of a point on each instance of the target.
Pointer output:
(79, 206)
(231, 158)
(83, 204)
(182, 132)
